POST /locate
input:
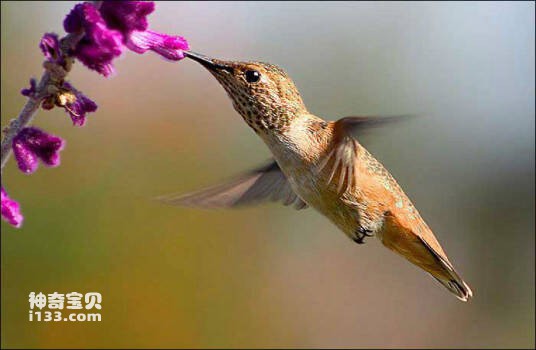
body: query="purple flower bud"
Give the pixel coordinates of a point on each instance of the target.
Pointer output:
(10, 209)
(32, 144)
(170, 47)
(50, 46)
(100, 45)
(126, 16)
(31, 90)
(77, 104)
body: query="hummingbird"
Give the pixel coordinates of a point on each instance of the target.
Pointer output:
(319, 164)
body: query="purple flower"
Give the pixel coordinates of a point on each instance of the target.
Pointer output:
(32, 144)
(31, 90)
(100, 45)
(126, 16)
(51, 47)
(170, 47)
(76, 104)
(114, 24)
(10, 210)
(130, 18)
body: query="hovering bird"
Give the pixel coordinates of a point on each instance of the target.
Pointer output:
(322, 165)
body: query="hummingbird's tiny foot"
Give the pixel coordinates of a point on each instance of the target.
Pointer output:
(359, 240)
(365, 232)
(361, 234)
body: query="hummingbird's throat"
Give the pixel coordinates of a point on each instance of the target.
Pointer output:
(257, 108)
(261, 119)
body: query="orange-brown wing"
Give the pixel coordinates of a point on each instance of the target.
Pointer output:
(266, 183)
(342, 156)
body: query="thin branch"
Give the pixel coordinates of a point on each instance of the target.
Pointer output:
(53, 75)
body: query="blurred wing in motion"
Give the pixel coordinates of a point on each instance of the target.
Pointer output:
(263, 184)
(359, 124)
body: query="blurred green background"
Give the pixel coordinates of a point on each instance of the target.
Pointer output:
(270, 276)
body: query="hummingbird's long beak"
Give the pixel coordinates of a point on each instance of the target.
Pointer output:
(207, 62)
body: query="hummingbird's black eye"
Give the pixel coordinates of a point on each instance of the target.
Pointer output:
(252, 76)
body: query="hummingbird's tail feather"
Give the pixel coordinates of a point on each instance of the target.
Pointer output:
(458, 287)
(449, 277)
(418, 245)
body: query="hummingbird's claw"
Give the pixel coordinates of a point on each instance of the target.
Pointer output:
(361, 234)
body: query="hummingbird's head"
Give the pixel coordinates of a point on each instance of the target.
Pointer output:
(262, 93)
